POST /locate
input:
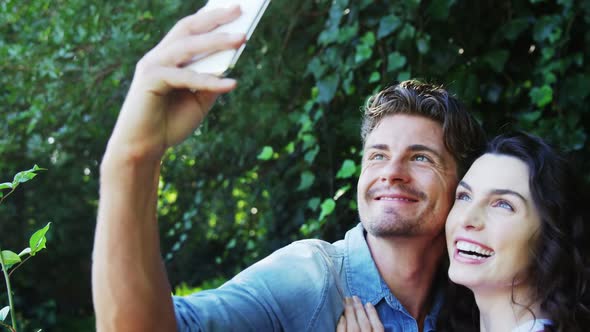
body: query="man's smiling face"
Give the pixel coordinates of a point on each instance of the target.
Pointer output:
(408, 178)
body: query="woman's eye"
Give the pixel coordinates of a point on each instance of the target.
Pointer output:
(462, 197)
(504, 205)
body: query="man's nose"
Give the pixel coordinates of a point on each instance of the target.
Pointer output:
(395, 171)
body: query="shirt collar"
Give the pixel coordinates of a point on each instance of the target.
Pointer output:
(364, 279)
(361, 273)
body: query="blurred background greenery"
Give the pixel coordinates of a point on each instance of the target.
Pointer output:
(277, 159)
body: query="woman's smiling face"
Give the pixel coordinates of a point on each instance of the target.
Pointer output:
(492, 225)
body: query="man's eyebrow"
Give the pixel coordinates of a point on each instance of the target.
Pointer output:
(379, 147)
(420, 147)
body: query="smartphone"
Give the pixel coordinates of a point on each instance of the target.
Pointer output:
(220, 63)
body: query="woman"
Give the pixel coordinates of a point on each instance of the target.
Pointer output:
(516, 239)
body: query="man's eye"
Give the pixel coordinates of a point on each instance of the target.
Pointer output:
(504, 205)
(462, 197)
(377, 156)
(422, 158)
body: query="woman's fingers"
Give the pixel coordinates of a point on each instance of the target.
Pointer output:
(341, 327)
(361, 316)
(373, 317)
(350, 314)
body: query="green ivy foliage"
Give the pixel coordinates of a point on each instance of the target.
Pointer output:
(277, 159)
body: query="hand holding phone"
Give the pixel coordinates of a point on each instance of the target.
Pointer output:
(220, 63)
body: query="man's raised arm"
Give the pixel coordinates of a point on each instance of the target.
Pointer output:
(129, 282)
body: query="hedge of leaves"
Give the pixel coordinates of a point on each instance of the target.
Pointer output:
(277, 159)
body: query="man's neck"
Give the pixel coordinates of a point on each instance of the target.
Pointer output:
(408, 266)
(498, 311)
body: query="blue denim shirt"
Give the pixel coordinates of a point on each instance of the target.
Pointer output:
(300, 287)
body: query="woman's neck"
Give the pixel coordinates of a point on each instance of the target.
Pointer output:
(503, 310)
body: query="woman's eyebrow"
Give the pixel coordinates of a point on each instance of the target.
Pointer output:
(509, 192)
(465, 185)
(496, 191)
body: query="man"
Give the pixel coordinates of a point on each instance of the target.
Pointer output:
(417, 141)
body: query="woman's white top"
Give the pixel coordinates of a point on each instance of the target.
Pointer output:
(532, 325)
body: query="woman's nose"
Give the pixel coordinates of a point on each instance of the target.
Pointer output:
(472, 217)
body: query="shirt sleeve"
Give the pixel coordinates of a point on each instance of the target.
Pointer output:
(290, 290)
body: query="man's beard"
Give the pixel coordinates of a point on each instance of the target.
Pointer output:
(392, 224)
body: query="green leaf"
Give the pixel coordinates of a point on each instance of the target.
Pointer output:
(403, 76)
(311, 154)
(387, 25)
(515, 27)
(375, 77)
(313, 203)
(423, 45)
(327, 208)
(25, 176)
(22, 177)
(266, 153)
(348, 33)
(395, 61)
(547, 28)
(347, 169)
(4, 313)
(531, 117)
(541, 96)
(6, 185)
(307, 179)
(496, 60)
(439, 9)
(38, 239)
(327, 88)
(10, 258)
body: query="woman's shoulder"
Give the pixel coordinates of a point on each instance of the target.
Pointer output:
(534, 325)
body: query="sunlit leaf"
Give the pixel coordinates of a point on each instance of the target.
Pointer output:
(347, 169)
(266, 153)
(26, 251)
(38, 240)
(4, 313)
(541, 96)
(327, 208)
(10, 258)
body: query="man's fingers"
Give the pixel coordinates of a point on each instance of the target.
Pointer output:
(374, 317)
(183, 50)
(361, 316)
(202, 21)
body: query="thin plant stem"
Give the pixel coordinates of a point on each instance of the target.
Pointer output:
(17, 266)
(9, 290)
(8, 327)
(4, 197)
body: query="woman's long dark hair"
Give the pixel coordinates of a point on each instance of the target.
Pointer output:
(561, 260)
